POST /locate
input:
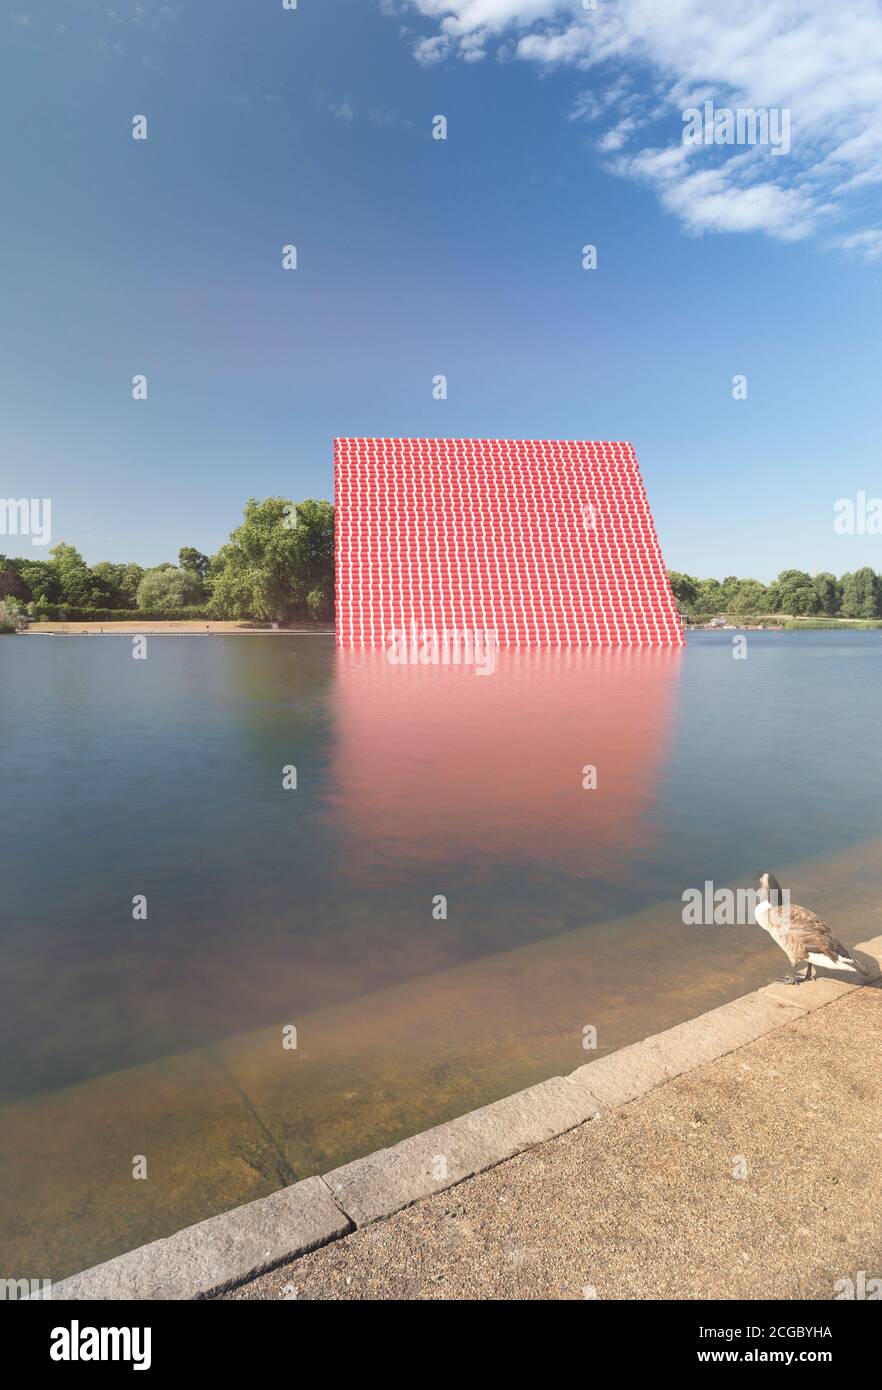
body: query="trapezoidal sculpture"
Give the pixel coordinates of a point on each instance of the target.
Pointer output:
(540, 542)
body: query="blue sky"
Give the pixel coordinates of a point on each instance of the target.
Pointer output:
(419, 256)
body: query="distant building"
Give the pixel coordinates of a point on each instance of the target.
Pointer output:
(540, 542)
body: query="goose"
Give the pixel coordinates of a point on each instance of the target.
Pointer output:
(801, 934)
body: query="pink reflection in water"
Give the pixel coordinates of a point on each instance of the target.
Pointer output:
(440, 763)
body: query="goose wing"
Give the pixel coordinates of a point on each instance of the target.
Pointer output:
(809, 934)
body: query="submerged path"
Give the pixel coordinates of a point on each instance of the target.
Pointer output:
(754, 1175)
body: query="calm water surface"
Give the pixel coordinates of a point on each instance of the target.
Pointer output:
(314, 907)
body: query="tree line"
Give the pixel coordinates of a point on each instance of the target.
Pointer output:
(278, 565)
(854, 595)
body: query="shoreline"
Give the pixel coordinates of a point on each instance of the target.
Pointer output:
(374, 1066)
(749, 1176)
(250, 628)
(171, 628)
(791, 625)
(232, 1249)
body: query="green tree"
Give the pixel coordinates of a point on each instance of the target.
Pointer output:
(862, 594)
(829, 592)
(728, 590)
(317, 604)
(78, 587)
(110, 577)
(683, 587)
(168, 587)
(41, 577)
(14, 586)
(278, 563)
(128, 585)
(194, 560)
(119, 582)
(709, 599)
(748, 597)
(12, 617)
(794, 592)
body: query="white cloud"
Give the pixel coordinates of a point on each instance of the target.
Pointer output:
(867, 244)
(710, 202)
(433, 50)
(591, 105)
(617, 136)
(818, 60)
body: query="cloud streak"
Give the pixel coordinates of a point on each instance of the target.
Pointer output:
(820, 61)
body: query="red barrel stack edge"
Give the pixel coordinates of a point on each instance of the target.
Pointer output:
(541, 542)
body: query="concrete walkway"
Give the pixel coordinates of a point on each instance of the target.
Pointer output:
(757, 1174)
(733, 1156)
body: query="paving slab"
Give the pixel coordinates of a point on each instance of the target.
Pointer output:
(240, 1248)
(623, 1076)
(811, 994)
(869, 955)
(430, 1162)
(757, 1175)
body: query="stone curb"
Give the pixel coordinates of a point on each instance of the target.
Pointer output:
(625, 1075)
(217, 1254)
(238, 1245)
(439, 1158)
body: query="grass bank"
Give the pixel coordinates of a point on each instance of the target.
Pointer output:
(830, 624)
(789, 621)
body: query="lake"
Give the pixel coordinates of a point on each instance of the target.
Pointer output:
(439, 908)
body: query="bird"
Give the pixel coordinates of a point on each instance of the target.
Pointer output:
(802, 935)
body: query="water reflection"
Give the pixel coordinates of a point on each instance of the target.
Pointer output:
(438, 765)
(314, 907)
